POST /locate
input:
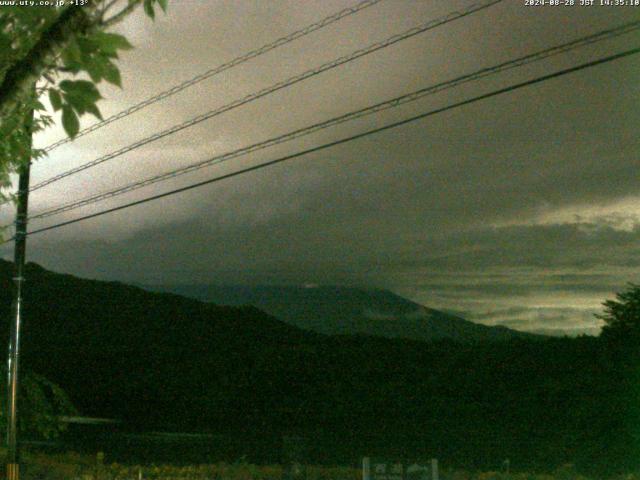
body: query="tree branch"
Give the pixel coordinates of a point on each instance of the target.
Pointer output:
(121, 14)
(20, 78)
(107, 6)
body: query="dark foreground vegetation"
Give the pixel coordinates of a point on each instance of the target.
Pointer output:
(70, 466)
(163, 362)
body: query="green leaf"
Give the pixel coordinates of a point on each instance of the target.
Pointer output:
(70, 121)
(37, 153)
(111, 42)
(112, 74)
(93, 110)
(79, 104)
(94, 72)
(88, 45)
(81, 96)
(72, 67)
(95, 68)
(163, 5)
(55, 99)
(148, 9)
(5, 46)
(72, 53)
(82, 89)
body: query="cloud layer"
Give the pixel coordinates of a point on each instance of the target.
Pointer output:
(521, 210)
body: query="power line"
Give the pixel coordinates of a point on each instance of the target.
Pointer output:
(410, 97)
(494, 93)
(219, 69)
(275, 87)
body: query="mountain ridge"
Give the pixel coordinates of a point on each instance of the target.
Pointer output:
(339, 310)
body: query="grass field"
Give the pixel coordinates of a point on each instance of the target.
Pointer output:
(70, 466)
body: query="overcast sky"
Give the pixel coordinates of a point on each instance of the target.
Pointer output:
(521, 210)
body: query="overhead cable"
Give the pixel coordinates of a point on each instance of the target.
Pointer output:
(219, 69)
(392, 103)
(275, 87)
(406, 121)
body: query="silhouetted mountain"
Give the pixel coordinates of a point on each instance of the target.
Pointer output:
(122, 351)
(348, 311)
(159, 361)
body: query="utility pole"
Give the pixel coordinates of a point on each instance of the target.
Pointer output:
(20, 249)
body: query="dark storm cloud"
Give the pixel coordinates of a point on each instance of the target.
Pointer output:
(521, 210)
(575, 246)
(528, 277)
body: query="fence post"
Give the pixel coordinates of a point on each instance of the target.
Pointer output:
(99, 465)
(434, 469)
(366, 468)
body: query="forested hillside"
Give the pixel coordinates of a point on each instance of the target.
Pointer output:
(164, 362)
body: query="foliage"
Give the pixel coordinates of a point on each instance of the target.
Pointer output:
(41, 404)
(47, 48)
(72, 466)
(622, 315)
(66, 466)
(168, 363)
